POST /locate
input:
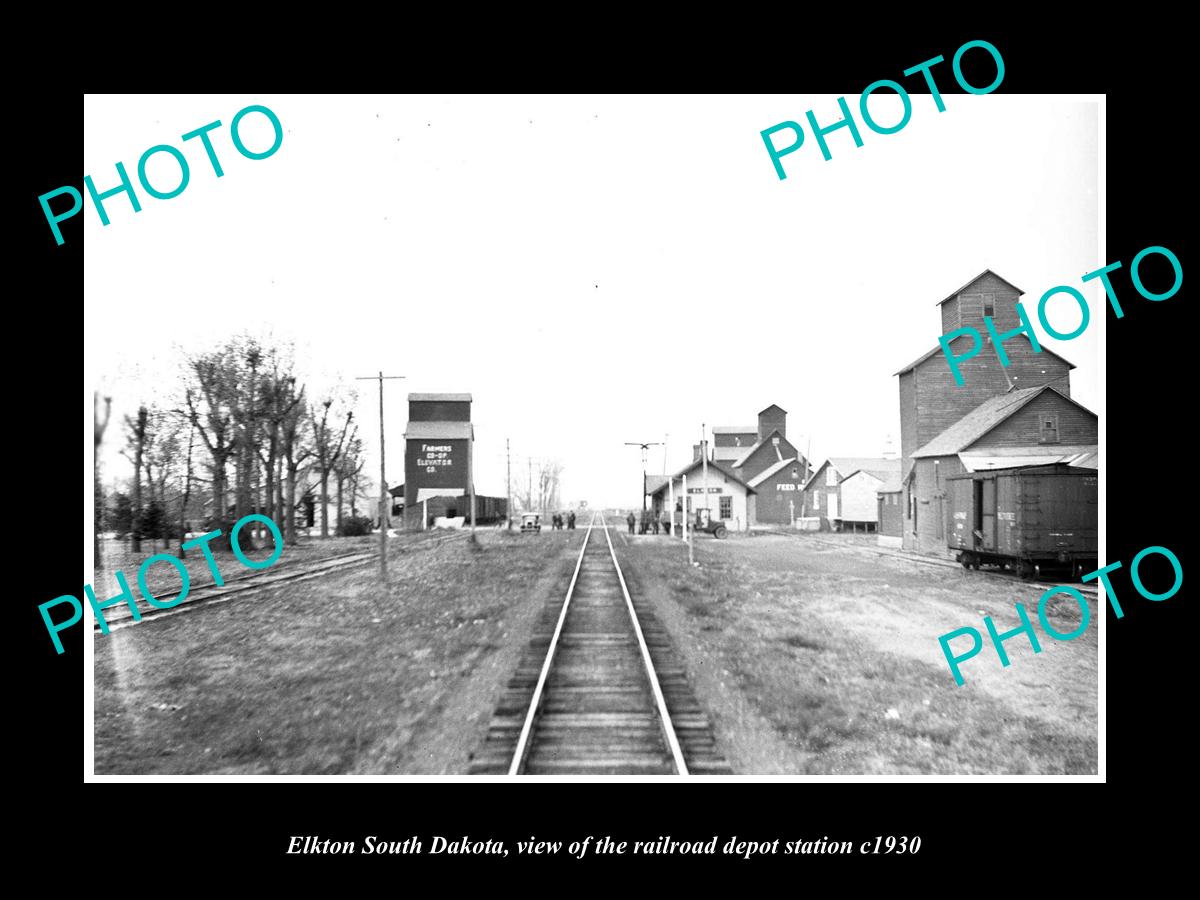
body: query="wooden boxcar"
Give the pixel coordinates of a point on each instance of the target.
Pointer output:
(1030, 519)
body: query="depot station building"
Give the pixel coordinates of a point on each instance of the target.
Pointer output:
(753, 475)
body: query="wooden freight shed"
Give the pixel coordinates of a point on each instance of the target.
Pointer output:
(822, 493)
(1027, 426)
(859, 495)
(890, 513)
(931, 401)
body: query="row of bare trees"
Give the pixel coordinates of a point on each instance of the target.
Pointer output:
(241, 428)
(542, 491)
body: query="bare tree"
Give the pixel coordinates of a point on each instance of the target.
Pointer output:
(295, 451)
(187, 489)
(161, 460)
(210, 401)
(327, 452)
(137, 436)
(101, 425)
(549, 476)
(279, 400)
(242, 376)
(346, 471)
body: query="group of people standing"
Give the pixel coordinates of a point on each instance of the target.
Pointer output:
(558, 520)
(649, 522)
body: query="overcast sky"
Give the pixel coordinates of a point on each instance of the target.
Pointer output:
(594, 270)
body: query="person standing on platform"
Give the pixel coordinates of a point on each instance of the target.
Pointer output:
(630, 520)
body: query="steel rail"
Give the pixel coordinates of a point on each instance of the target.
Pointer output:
(522, 748)
(663, 714)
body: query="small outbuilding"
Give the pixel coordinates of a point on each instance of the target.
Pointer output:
(889, 514)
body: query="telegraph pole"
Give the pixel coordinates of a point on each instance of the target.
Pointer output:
(508, 485)
(383, 490)
(645, 448)
(704, 464)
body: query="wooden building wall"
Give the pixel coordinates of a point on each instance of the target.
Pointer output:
(1075, 424)
(966, 308)
(890, 513)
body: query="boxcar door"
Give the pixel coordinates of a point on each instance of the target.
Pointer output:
(989, 513)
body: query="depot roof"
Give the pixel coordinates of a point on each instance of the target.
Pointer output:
(713, 467)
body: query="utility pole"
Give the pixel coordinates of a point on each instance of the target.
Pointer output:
(704, 464)
(645, 448)
(508, 485)
(807, 465)
(530, 461)
(471, 479)
(383, 489)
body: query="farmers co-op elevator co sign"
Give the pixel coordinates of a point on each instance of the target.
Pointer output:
(438, 462)
(435, 458)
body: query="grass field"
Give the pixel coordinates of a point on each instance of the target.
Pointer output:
(821, 660)
(334, 675)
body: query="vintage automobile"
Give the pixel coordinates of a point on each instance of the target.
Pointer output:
(531, 522)
(701, 520)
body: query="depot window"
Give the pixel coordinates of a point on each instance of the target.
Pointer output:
(726, 507)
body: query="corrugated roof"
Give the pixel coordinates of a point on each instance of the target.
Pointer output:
(771, 470)
(1081, 456)
(1087, 460)
(978, 422)
(735, 429)
(448, 398)
(938, 349)
(419, 430)
(975, 279)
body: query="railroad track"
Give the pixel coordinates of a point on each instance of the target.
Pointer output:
(599, 690)
(240, 586)
(1088, 590)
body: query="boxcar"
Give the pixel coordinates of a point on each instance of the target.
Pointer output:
(1029, 519)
